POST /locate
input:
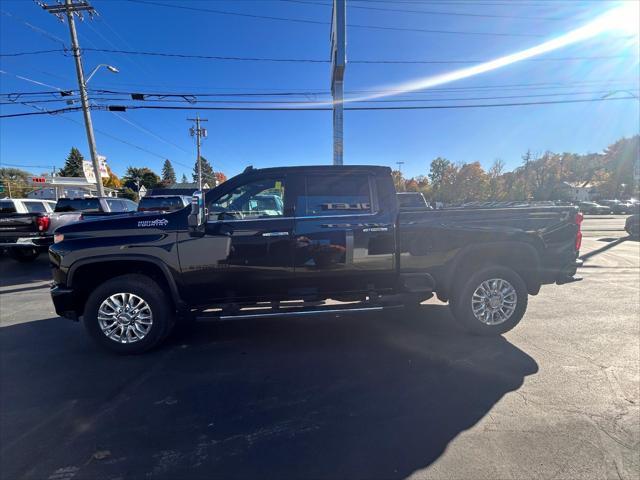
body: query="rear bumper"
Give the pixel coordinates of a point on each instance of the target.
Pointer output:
(64, 302)
(41, 243)
(566, 274)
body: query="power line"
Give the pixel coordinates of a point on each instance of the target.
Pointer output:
(306, 60)
(425, 12)
(317, 22)
(313, 93)
(302, 109)
(299, 102)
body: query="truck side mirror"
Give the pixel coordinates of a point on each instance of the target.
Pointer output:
(198, 216)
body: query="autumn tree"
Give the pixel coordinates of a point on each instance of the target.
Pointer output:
(15, 182)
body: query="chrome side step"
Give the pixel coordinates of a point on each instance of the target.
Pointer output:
(296, 312)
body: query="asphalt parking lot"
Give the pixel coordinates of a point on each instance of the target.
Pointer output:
(383, 396)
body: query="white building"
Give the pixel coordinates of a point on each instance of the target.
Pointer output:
(69, 187)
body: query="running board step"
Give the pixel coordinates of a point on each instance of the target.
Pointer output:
(297, 312)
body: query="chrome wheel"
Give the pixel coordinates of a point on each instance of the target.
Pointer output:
(494, 301)
(125, 318)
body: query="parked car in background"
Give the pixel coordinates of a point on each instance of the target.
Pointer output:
(25, 227)
(163, 203)
(616, 206)
(69, 210)
(592, 208)
(410, 200)
(632, 225)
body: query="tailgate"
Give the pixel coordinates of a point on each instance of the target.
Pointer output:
(18, 223)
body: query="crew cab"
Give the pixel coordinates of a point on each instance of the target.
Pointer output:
(336, 241)
(25, 227)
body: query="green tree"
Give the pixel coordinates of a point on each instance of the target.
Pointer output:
(144, 175)
(15, 182)
(168, 174)
(184, 179)
(208, 175)
(443, 175)
(129, 193)
(73, 164)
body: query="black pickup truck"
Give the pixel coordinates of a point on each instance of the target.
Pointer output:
(334, 241)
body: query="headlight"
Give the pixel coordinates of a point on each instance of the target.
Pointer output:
(58, 237)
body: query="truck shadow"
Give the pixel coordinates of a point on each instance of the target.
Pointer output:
(353, 397)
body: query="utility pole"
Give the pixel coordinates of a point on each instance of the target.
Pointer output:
(198, 133)
(400, 167)
(338, 65)
(71, 8)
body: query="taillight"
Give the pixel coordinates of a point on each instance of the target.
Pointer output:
(43, 223)
(578, 220)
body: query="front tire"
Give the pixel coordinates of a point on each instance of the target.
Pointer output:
(129, 314)
(491, 302)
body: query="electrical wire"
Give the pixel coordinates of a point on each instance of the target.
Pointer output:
(300, 102)
(317, 22)
(302, 109)
(308, 60)
(426, 12)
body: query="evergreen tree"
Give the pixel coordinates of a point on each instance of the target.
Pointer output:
(184, 179)
(73, 164)
(168, 174)
(208, 175)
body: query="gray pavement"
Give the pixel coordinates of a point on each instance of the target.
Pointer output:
(400, 395)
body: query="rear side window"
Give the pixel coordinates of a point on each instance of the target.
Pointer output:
(160, 204)
(7, 206)
(78, 205)
(328, 195)
(35, 207)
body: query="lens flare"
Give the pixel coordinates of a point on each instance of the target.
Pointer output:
(625, 17)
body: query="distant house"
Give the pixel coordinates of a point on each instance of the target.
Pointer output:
(177, 189)
(579, 191)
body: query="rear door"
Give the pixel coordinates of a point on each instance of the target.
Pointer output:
(344, 242)
(246, 252)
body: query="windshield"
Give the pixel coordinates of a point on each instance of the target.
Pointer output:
(78, 205)
(160, 204)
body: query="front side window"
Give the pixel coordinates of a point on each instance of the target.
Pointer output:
(329, 195)
(262, 198)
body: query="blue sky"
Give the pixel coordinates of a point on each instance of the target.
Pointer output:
(240, 138)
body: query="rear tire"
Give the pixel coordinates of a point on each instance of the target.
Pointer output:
(129, 314)
(24, 255)
(491, 302)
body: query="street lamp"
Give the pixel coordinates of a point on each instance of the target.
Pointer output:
(111, 68)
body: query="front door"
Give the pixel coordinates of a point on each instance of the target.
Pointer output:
(246, 253)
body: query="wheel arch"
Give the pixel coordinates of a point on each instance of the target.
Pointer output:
(87, 274)
(521, 257)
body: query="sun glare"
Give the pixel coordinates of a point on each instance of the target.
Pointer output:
(625, 17)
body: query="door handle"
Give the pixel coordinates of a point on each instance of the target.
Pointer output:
(275, 234)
